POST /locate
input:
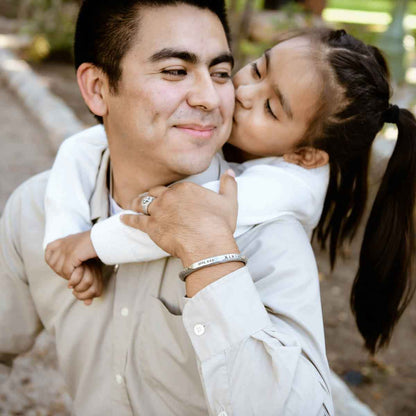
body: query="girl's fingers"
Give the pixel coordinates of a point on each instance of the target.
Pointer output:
(85, 283)
(76, 277)
(88, 294)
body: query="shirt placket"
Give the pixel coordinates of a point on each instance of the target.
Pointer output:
(122, 315)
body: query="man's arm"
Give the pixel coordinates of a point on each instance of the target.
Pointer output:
(19, 322)
(258, 332)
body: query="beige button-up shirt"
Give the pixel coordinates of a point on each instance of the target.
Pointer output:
(250, 343)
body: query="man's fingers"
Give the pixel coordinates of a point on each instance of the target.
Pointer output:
(136, 221)
(228, 185)
(137, 206)
(157, 191)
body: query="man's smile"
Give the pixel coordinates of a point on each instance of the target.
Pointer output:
(197, 130)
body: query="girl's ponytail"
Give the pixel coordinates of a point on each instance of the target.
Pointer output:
(383, 286)
(353, 109)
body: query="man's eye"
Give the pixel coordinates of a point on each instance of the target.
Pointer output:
(222, 75)
(269, 109)
(174, 72)
(255, 70)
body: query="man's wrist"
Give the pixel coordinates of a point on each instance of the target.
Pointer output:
(211, 261)
(204, 277)
(203, 250)
(199, 279)
(88, 249)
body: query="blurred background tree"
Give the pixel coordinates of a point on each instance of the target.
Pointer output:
(390, 24)
(255, 25)
(51, 23)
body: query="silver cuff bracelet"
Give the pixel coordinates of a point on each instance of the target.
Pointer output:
(211, 261)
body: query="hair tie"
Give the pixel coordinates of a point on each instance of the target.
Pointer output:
(391, 115)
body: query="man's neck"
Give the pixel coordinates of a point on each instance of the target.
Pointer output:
(128, 181)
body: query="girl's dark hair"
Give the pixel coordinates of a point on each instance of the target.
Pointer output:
(105, 30)
(357, 78)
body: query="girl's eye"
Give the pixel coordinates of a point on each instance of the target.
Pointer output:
(174, 72)
(255, 70)
(269, 109)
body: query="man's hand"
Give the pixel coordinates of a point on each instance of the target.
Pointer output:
(86, 281)
(189, 221)
(66, 254)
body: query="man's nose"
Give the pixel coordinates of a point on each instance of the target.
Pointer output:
(204, 94)
(244, 96)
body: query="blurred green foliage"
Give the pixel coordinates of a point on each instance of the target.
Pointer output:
(51, 23)
(370, 6)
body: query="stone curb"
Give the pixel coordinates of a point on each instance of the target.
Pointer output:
(51, 112)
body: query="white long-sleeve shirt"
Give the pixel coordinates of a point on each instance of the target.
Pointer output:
(251, 343)
(268, 188)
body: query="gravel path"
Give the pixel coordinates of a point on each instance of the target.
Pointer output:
(24, 150)
(34, 388)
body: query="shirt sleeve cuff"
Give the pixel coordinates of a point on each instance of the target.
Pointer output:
(115, 243)
(224, 313)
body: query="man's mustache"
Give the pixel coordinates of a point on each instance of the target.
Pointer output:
(198, 117)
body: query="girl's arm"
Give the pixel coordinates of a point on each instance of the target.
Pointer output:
(71, 183)
(265, 192)
(269, 190)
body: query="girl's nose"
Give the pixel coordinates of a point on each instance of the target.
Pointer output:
(244, 96)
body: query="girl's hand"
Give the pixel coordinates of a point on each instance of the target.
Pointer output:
(66, 254)
(87, 282)
(189, 221)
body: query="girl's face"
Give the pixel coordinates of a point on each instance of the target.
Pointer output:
(276, 97)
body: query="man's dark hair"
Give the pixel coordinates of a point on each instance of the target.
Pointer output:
(106, 28)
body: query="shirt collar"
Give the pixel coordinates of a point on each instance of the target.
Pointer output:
(99, 202)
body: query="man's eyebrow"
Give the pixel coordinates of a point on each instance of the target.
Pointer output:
(168, 53)
(223, 58)
(283, 101)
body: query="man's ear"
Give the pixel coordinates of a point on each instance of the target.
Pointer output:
(307, 157)
(92, 83)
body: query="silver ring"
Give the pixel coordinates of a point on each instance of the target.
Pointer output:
(146, 201)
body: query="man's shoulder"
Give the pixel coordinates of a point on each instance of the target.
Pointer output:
(30, 194)
(277, 243)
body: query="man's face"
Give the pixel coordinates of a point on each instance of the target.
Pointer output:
(175, 100)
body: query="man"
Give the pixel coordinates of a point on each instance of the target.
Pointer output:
(157, 73)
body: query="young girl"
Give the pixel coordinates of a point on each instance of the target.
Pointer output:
(327, 98)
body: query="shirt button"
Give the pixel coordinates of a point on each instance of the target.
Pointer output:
(199, 329)
(125, 312)
(119, 379)
(223, 413)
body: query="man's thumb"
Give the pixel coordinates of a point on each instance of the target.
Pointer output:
(135, 221)
(228, 185)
